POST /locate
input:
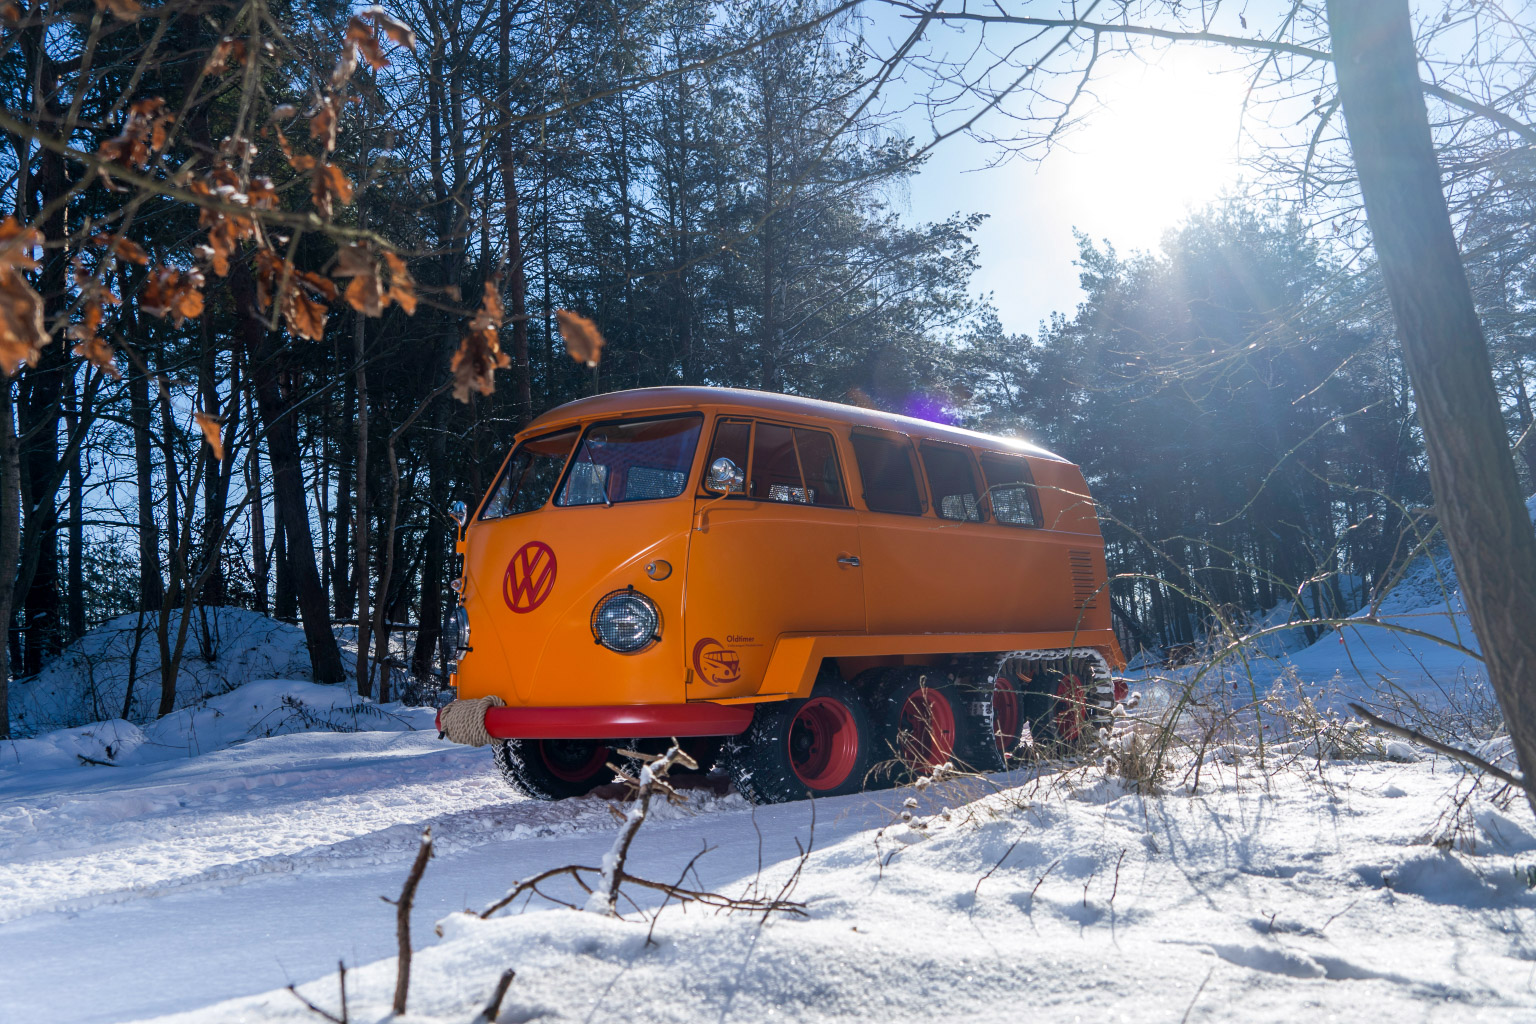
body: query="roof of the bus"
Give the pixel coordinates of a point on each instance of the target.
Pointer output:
(666, 399)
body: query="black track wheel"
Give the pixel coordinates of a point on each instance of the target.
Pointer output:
(554, 769)
(1055, 703)
(819, 746)
(993, 721)
(922, 720)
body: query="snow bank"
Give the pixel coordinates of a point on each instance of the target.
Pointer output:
(1296, 897)
(264, 708)
(225, 648)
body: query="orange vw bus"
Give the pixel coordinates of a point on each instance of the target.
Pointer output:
(808, 589)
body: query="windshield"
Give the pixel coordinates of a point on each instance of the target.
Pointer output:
(634, 460)
(530, 475)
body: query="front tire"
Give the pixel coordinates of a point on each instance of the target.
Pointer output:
(554, 769)
(819, 746)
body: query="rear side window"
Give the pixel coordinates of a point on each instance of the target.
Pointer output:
(952, 482)
(886, 469)
(1011, 490)
(796, 465)
(633, 460)
(531, 474)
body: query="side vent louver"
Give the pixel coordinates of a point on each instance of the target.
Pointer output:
(1085, 592)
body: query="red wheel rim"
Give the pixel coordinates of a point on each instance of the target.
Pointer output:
(573, 760)
(1005, 714)
(928, 719)
(823, 743)
(1071, 708)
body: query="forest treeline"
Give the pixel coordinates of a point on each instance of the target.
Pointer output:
(276, 411)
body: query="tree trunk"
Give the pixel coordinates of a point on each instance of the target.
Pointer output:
(151, 583)
(76, 561)
(1471, 467)
(10, 536)
(287, 482)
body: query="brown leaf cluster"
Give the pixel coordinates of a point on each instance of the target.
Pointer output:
(94, 295)
(145, 132)
(126, 10)
(209, 425)
(22, 333)
(10, 13)
(177, 294)
(226, 228)
(583, 340)
(303, 295)
(329, 184)
(369, 293)
(230, 52)
(480, 355)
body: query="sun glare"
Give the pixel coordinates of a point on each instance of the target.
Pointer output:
(1160, 139)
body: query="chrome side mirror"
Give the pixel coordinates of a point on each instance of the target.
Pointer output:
(724, 477)
(458, 513)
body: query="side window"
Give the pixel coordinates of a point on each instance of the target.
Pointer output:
(775, 468)
(818, 464)
(530, 475)
(732, 441)
(1011, 490)
(952, 482)
(886, 469)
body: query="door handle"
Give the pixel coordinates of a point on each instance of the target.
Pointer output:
(852, 561)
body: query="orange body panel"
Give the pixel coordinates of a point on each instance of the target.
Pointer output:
(759, 591)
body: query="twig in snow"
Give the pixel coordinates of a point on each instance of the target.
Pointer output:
(994, 867)
(493, 1007)
(680, 879)
(651, 781)
(92, 760)
(1444, 748)
(1113, 892)
(1041, 881)
(341, 969)
(403, 919)
(1191, 1008)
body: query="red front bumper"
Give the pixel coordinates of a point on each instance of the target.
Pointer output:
(625, 721)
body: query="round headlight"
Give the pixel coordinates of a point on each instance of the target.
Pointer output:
(626, 621)
(460, 626)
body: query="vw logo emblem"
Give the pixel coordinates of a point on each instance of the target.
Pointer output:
(530, 577)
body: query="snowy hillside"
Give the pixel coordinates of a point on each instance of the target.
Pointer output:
(89, 682)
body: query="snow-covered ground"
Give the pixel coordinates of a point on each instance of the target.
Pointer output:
(191, 867)
(202, 886)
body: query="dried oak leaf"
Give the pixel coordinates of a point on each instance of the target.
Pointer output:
(398, 31)
(330, 185)
(479, 354)
(402, 287)
(304, 294)
(322, 123)
(582, 338)
(177, 294)
(10, 13)
(125, 249)
(145, 132)
(16, 245)
(22, 334)
(229, 49)
(209, 425)
(99, 353)
(127, 10)
(363, 36)
(363, 293)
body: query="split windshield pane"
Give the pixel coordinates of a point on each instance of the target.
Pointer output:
(634, 460)
(530, 475)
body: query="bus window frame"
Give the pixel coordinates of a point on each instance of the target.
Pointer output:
(506, 467)
(752, 422)
(924, 507)
(1033, 489)
(590, 425)
(978, 481)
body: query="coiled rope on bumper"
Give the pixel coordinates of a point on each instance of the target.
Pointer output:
(463, 721)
